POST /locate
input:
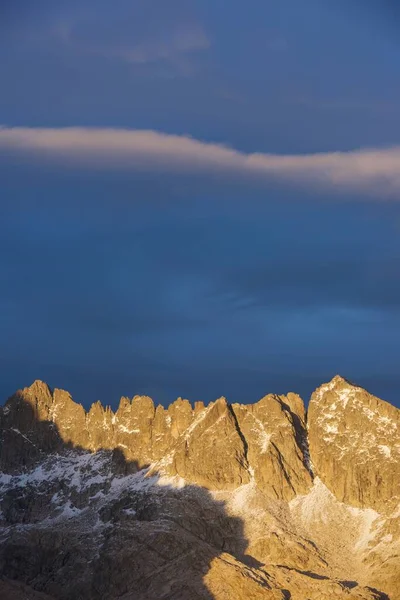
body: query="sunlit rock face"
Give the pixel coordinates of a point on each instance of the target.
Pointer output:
(355, 445)
(219, 502)
(275, 433)
(218, 447)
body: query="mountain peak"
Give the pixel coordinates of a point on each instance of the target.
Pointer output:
(347, 425)
(339, 379)
(335, 382)
(39, 385)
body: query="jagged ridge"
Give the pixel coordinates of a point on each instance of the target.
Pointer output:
(281, 478)
(179, 440)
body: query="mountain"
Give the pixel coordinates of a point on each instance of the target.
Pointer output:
(229, 501)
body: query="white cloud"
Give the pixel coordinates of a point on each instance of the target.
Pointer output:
(366, 170)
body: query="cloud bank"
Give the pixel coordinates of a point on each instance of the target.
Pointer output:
(368, 171)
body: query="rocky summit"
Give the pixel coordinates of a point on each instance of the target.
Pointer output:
(224, 502)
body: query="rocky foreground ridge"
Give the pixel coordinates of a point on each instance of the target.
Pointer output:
(255, 501)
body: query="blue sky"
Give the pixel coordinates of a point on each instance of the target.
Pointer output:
(224, 217)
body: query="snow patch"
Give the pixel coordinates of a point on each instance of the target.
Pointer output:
(22, 435)
(69, 511)
(369, 413)
(176, 482)
(197, 422)
(385, 450)
(312, 506)
(240, 501)
(321, 507)
(344, 396)
(126, 429)
(263, 437)
(331, 428)
(386, 425)
(5, 479)
(367, 516)
(129, 511)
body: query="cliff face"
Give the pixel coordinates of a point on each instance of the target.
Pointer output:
(223, 501)
(355, 445)
(218, 447)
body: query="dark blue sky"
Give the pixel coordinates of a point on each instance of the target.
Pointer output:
(121, 276)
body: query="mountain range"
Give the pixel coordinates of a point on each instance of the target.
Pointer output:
(220, 502)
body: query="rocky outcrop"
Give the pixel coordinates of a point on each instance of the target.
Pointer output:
(355, 445)
(26, 431)
(218, 447)
(193, 502)
(276, 440)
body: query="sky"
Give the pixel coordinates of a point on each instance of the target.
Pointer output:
(199, 199)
